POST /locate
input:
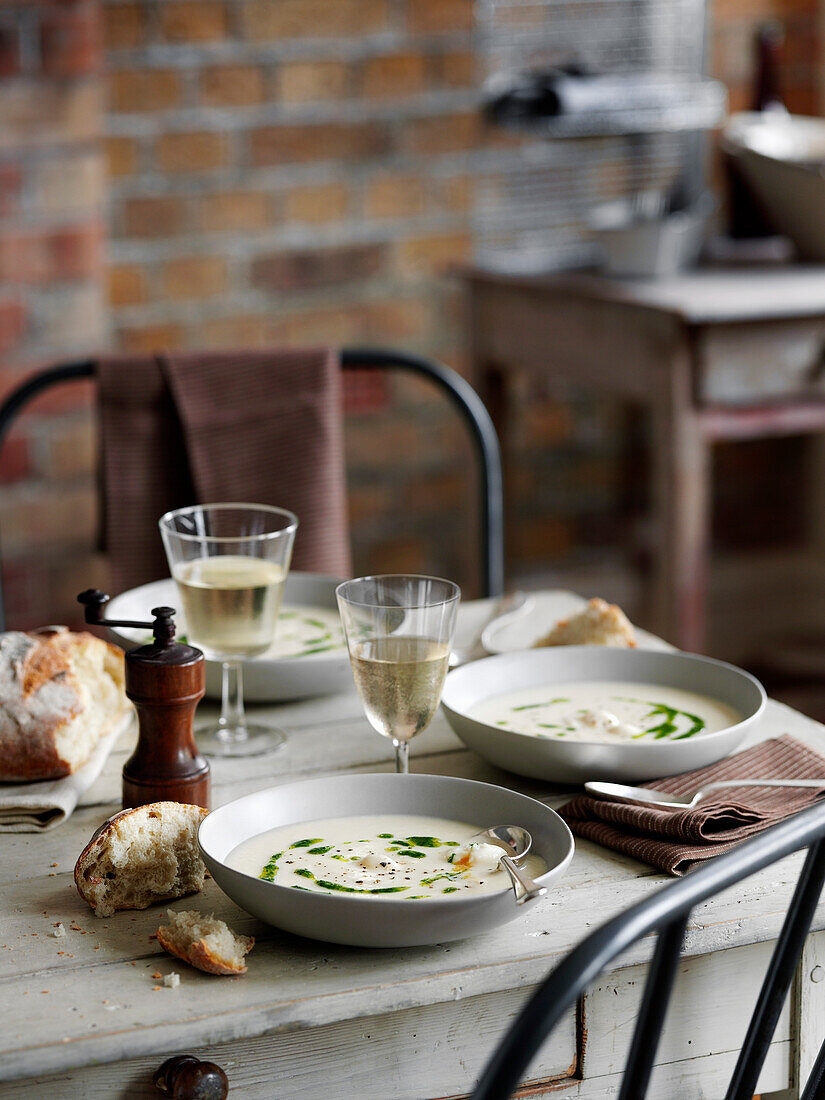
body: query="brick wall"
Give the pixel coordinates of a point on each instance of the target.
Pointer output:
(278, 171)
(52, 278)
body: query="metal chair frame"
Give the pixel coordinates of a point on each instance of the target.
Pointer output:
(459, 392)
(667, 913)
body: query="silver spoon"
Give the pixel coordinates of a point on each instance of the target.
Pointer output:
(516, 843)
(617, 792)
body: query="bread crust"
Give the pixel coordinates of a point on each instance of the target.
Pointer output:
(41, 695)
(101, 837)
(201, 957)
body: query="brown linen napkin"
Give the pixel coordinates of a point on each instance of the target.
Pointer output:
(677, 840)
(257, 426)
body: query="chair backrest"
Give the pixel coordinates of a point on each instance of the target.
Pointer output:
(666, 913)
(457, 390)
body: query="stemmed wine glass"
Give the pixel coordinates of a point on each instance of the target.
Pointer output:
(230, 562)
(399, 631)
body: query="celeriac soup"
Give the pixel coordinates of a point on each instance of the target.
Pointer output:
(407, 857)
(606, 711)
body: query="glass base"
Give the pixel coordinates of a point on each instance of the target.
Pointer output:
(248, 740)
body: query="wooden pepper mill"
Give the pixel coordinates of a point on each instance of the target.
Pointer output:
(166, 681)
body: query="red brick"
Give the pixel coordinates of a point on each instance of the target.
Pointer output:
(458, 70)
(12, 324)
(66, 398)
(321, 141)
(306, 81)
(316, 203)
(234, 210)
(232, 85)
(394, 196)
(38, 516)
(14, 459)
(196, 21)
(44, 256)
(64, 448)
(394, 76)
(124, 25)
(141, 90)
(310, 268)
(433, 16)
(277, 19)
(445, 133)
(122, 156)
(244, 331)
(194, 277)
(151, 338)
(127, 285)
(434, 253)
(158, 216)
(193, 152)
(70, 40)
(11, 178)
(10, 61)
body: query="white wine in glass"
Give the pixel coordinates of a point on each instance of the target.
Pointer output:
(400, 681)
(399, 631)
(230, 562)
(231, 603)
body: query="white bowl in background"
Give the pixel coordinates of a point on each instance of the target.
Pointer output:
(378, 921)
(649, 247)
(782, 158)
(579, 761)
(265, 679)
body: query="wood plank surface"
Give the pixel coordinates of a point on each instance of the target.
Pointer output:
(88, 998)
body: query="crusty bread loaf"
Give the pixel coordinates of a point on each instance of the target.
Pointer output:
(140, 856)
(599, 623)
(60, 693)
(204, 942)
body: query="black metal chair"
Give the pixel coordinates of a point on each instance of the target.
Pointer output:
(458, 391)
(667, 913)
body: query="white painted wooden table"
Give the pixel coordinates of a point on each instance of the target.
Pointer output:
(80, 1016)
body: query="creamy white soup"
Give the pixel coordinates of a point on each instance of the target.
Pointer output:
(389, 855)
(603, 711)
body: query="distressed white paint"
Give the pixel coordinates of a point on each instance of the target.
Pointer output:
(299, 997)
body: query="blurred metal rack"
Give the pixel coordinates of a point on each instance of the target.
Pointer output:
(533, 208)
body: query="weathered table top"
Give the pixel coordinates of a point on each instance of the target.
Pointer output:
(90, 997)
(705, 295)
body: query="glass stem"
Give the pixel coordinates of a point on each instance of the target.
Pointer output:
(402, 756)
(232, 724)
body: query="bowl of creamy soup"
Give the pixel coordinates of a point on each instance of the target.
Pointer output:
(307, 658)
(379, 860)
(575, 713)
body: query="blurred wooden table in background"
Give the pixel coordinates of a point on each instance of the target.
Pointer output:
(714, 354)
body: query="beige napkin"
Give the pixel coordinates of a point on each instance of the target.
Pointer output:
(37, 807)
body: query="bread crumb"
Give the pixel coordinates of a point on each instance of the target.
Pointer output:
(172, 981)
(155, 988)
(157, 975)
(53, 865)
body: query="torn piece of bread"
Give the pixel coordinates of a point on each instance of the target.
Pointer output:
(599, 623)
(140, 856)
(60, 694)
(204, 942)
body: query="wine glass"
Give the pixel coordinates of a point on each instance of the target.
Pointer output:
(230, 562)
(399, 631)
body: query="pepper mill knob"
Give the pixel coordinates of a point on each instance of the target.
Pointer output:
(166, 681)
(188, 1078)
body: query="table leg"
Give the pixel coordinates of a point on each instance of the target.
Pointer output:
(681, 496)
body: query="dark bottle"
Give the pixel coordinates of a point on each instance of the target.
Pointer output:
(746, 216)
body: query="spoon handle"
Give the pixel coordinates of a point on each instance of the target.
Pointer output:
(529, 889)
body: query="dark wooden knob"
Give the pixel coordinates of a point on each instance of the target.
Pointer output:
(186, 1077)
